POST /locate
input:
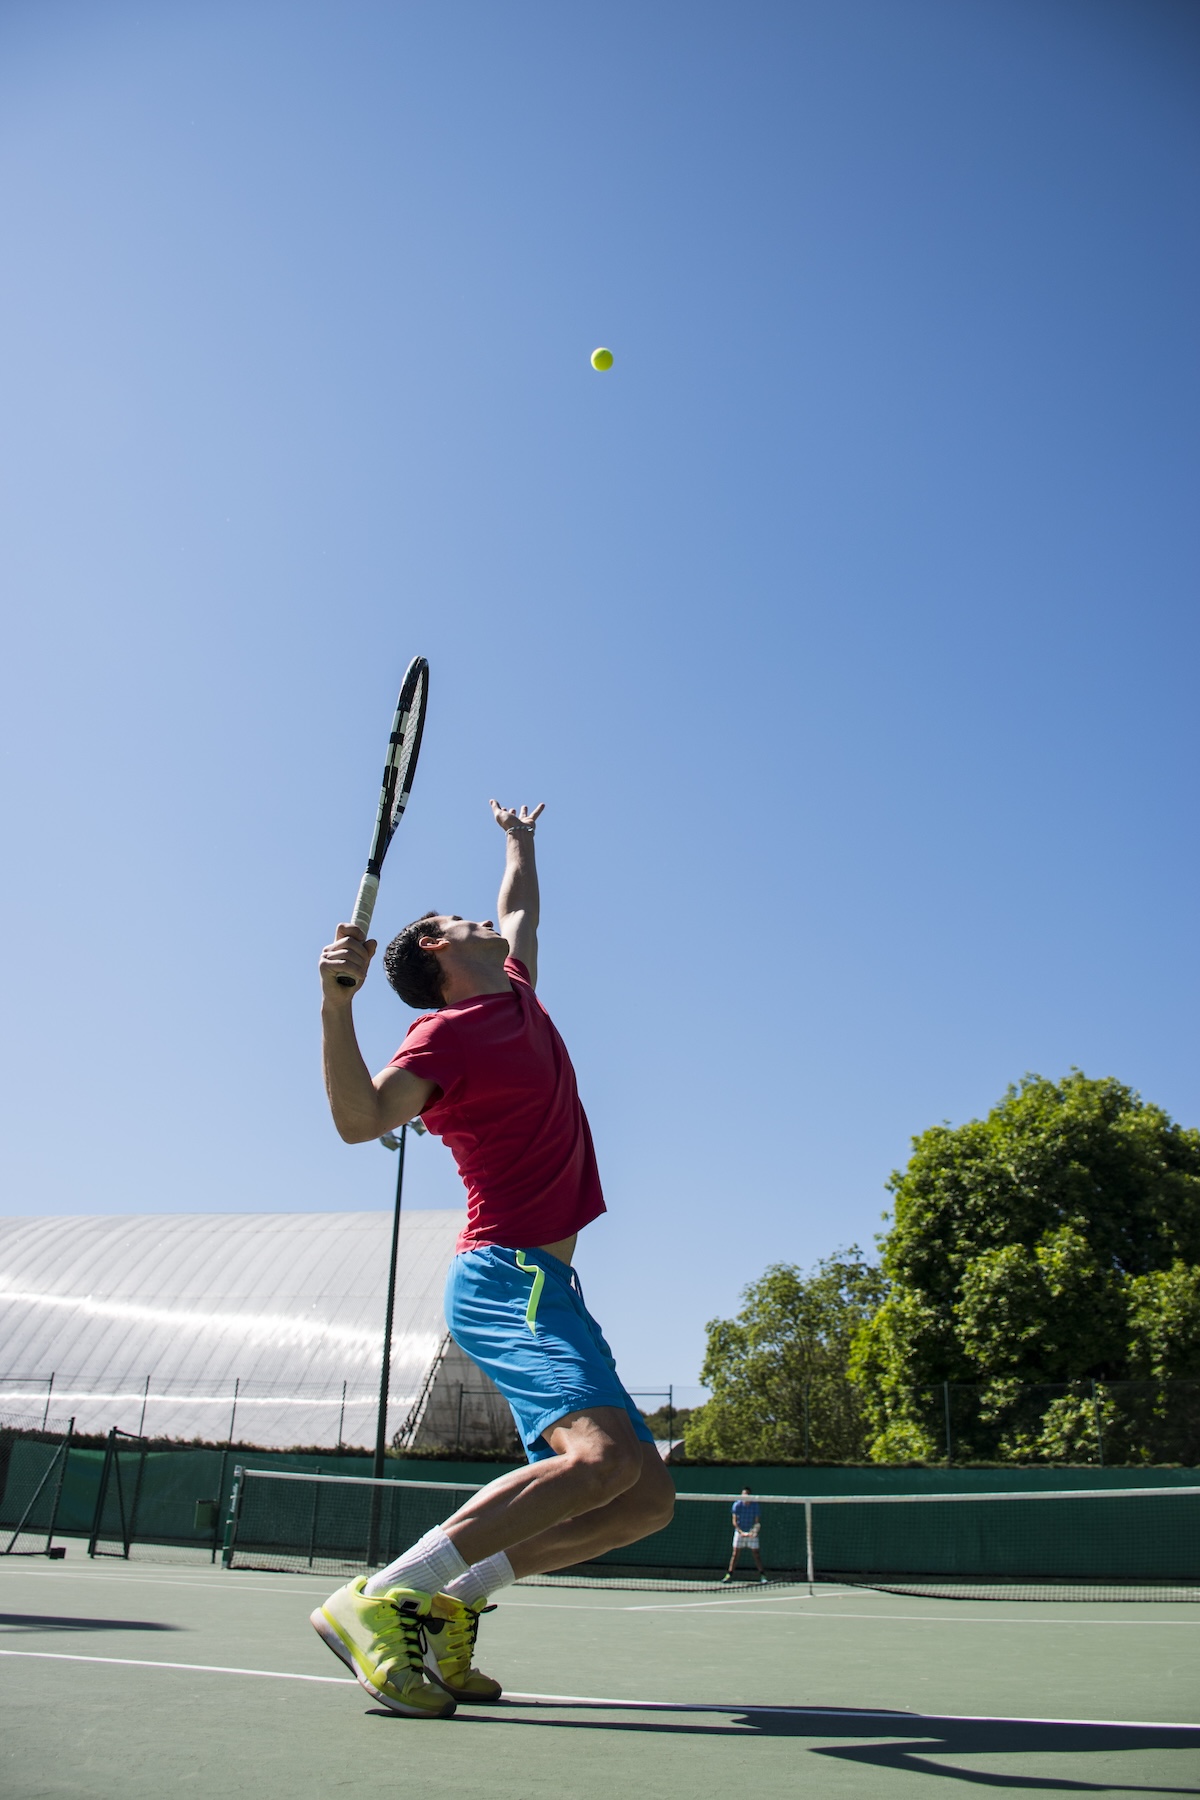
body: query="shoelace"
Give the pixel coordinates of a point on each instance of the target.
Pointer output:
(461, 1633)
(412, 1635)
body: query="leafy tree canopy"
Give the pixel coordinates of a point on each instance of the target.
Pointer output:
(1058, 1239)
(778, 1370)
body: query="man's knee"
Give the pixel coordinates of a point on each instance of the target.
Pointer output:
(605, 1468)
(656, 1492)
(614, 1471)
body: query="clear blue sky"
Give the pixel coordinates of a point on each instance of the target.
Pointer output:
(847, 627)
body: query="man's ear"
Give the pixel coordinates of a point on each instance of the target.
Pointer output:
(434, 944)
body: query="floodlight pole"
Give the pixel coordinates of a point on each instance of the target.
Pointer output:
(391, 1142)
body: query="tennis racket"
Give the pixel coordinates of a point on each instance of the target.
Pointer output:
(404, 746)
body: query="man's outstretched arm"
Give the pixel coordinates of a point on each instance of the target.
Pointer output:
(362, 1107)
(519, 906)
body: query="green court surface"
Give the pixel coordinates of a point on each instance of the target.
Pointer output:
(141, 1679)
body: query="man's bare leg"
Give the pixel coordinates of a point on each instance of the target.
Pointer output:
(598, 1460)
(641, 1509)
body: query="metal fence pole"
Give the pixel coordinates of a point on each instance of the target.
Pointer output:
(949, 1438)
(385, 1367)
(1098, 1420)
(58, 1488)
(110, 1446)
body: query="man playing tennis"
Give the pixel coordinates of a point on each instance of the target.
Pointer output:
(487, 1071)
(747, 1521)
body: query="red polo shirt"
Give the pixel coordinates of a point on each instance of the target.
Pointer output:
(510, 1111)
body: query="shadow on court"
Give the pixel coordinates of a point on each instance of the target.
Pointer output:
(55, 1622)
(914, 1740)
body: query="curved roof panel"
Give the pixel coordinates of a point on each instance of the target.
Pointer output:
(150, 1321)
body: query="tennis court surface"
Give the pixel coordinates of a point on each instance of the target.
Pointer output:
(139, 1678)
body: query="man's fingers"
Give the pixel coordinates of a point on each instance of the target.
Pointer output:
(514, 815)
(347, 950)
(349, 931)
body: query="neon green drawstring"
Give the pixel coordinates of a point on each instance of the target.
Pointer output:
(535, 1293)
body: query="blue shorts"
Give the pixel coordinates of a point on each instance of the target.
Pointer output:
(520, 1315)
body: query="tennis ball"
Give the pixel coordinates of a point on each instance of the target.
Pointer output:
(602, 359)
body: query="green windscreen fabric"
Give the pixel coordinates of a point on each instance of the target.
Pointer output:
(32, 1463)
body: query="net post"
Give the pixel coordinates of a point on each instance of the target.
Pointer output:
(216, 1530)
(235, 1504)
(808, 1542)
(312, 1529)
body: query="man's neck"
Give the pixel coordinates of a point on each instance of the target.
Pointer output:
(468, 983)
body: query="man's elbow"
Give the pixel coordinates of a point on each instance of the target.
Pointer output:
(355, 1133)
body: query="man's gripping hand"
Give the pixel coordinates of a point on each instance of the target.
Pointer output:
(349, 954)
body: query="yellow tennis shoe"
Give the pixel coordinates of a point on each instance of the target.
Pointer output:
(382, 1640)
(450, 1632)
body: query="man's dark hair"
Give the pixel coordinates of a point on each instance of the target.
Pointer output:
(415, 974)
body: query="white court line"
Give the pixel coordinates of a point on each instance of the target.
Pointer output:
(740, 1600)
(753, 1600)
(216, 1587)
(836, 1712)
(141, 1662)
(917, 1618)
(964, 1619)
(668, 1706)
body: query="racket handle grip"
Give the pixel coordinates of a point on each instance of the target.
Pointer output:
(364, 908)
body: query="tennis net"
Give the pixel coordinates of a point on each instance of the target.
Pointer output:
(1108, 1543)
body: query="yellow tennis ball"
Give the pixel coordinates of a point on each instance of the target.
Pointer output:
(602, 359)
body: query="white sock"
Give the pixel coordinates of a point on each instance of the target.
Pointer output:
(482, 1580)
(429, 1565)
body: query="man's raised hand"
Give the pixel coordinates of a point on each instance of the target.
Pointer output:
(349, 954)
(509, 819)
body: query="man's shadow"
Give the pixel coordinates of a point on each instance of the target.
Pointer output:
(898, 1741)
(59, 1622)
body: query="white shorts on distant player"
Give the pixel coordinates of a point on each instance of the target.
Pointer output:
(746, 1540)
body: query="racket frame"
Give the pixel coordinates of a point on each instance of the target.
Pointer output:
(394, 789)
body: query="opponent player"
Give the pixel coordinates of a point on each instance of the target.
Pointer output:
(747, 1520)
(487, 1071)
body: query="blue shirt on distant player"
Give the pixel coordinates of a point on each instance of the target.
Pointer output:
(746, 1515)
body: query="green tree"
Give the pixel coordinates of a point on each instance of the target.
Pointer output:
(1056, 1241)
(778, 1371)
(667, 1421)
